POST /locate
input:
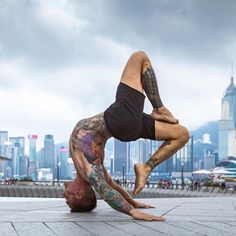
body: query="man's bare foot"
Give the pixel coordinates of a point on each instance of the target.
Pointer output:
(138, 215)
(141, 171)
(163, 114)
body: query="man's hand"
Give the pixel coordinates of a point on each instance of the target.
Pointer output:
(138, 215)
(141, 205)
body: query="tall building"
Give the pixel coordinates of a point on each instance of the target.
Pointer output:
(209, 159)
(3, 140)
(3, 152)
(62, 162)
(19, 160)
(32, 146)
(32, 156)
(49, 153)
(184, 157)
(120, 157)
(227, 124)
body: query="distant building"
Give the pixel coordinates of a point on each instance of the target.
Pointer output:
(121, 157)
(32, 146)
(32, 156)
(3, 163)
(63, 163)
(227, 124)
(3, 140)
(71, 168)
(184, 157)
(45, 174)
(49, 152)
(206, 138)
(19, 160)
(209, 159)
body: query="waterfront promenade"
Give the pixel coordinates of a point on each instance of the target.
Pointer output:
(51, 216)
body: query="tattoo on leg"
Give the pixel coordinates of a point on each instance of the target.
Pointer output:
(149, 83)
(108, 194)
(152, 163)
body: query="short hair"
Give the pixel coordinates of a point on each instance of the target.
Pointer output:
(80, 196)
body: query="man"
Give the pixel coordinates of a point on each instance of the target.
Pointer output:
(125, 120)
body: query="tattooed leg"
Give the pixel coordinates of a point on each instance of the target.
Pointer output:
(149, 83)
(108, 194)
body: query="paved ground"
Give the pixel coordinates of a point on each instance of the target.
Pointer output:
(185, 216)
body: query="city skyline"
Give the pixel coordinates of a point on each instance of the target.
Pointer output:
(199, 152)
(58, 56)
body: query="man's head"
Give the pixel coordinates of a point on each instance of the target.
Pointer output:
(80, 196)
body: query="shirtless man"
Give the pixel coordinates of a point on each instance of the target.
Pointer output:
(125, 120)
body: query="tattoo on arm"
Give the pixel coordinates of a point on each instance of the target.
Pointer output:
(118, 188)
(111, 196)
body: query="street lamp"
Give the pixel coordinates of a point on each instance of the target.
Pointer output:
(58, 169)
(123, 172)
(182, 175)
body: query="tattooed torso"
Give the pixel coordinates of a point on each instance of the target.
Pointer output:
(90, 136)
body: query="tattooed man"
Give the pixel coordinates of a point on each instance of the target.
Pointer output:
(125, 120)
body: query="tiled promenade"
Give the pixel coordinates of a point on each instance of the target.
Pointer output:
(185, 216)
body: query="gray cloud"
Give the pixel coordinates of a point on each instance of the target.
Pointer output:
(200, 30)
(191, 29)
(72, 53)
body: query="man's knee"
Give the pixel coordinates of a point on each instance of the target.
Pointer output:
(139, 56)
(184, 135)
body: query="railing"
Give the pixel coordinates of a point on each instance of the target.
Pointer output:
(152, 185)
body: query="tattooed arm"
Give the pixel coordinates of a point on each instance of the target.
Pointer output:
(77, 158)
(114, 198)
(108, 194)
(123, 192)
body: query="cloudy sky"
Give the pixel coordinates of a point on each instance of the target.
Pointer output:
(61, 60)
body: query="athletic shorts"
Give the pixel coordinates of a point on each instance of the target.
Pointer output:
(125, 119)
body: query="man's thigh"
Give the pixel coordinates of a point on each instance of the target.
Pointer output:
(167, 131)
(131, 75)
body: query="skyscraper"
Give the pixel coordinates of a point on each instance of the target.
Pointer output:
(63, 163)
(49, 152)
(32, 146)
(3, 151)
(227, 124)
(32, 156)
(120, 156)
(19, 161)
(3, 140)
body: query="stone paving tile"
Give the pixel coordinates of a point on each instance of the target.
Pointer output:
(185, 216)
(67, 228)
(101, 228)
(219, 226)
(134, 228)
(32, 229)
(7, 229)
(166, 228)
(200, 228)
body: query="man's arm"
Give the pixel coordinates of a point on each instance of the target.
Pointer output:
(78, 162)
(123, 192)
(114, 198)
(108, 194)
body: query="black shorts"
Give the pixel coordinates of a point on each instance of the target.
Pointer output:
(125, 119)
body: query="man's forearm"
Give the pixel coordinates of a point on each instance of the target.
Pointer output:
(123, 192)
(108, 194)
